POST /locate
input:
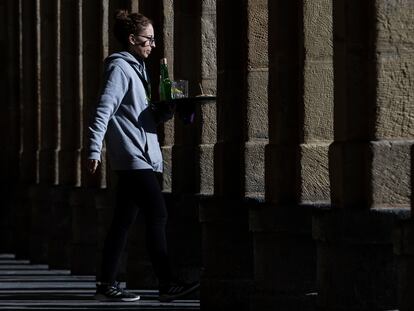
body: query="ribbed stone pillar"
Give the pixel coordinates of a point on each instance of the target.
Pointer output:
(206, 117)
(226, 284)
(49, 88)
(139, 269)
(69, 165)
(9, 120)
(186, 66)
(370, 158)
(192, 24)
(92, 199)
(300, 130)
(29, 122)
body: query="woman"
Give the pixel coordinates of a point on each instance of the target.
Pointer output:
(124, 116)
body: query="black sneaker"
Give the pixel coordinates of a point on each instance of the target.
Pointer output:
(176, 290)
(113, 292)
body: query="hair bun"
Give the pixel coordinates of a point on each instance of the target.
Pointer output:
(121, 14)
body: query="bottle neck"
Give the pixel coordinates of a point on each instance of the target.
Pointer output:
(164, 71)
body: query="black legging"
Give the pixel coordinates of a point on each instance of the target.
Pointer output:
(137, 189)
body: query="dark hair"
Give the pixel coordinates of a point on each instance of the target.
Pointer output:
(129, 23)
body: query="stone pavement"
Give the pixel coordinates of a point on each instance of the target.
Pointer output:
(26, 286)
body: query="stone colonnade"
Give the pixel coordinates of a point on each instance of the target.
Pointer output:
(291, 190)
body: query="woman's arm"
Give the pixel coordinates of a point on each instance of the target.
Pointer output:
(114, 89)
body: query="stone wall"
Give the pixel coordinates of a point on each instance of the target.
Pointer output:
(292, 189)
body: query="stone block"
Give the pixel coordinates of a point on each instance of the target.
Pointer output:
(22, 220)
(375, 174)
(183, 169)
(225, 284)
(395, 25)
(209, 5)
(184, 237)
(318, 33)
(206, 168)
(284, 276)
(206, 122)
(224, 222)
(168, 132)
(70, 167)
(84, 256)
(349, 164)
(297, 173)
(390, 174)
(227, 172)
(406, 283)
(395, 97)
(361, 227)
(282, 175)
(208, 41)
(167, 162)
(60, 237)
(254, 168)
(318, 101)
(356, 267)
(314, 167)
(257, 33)
(280, 270)
(403, 248)
(257, 104)
(39, 231)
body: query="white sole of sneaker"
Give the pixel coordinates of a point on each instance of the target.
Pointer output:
(103, 298)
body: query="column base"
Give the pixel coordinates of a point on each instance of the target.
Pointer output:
(284, 258)
(60, 237)
(356, 266)
(90, 208)
(227, 275)
(21, 218)
(404, 249)
(39, 197)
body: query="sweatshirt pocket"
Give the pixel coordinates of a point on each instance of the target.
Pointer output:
(153, 149)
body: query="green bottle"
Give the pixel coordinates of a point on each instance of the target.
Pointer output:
(165, 82)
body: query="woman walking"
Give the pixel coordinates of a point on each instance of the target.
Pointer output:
(125, 118)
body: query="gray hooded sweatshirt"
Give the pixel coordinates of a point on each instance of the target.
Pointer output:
(125, 116)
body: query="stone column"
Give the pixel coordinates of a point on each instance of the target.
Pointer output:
(139, 269)
(69, 140)
(300, 130)
(29, 118)
(191, 156)
(49, 88)
(9, 120)
(206, 117)
(369, 160)
(226, 284)
(92, 197)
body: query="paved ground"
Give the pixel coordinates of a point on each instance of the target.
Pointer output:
(24, 286)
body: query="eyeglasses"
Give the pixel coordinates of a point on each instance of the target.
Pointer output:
(150, 39)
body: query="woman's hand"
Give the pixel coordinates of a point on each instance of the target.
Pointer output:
(92, 165)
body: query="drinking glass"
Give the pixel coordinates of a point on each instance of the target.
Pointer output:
(179, 89)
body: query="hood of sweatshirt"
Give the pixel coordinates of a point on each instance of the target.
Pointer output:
(128, 57)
